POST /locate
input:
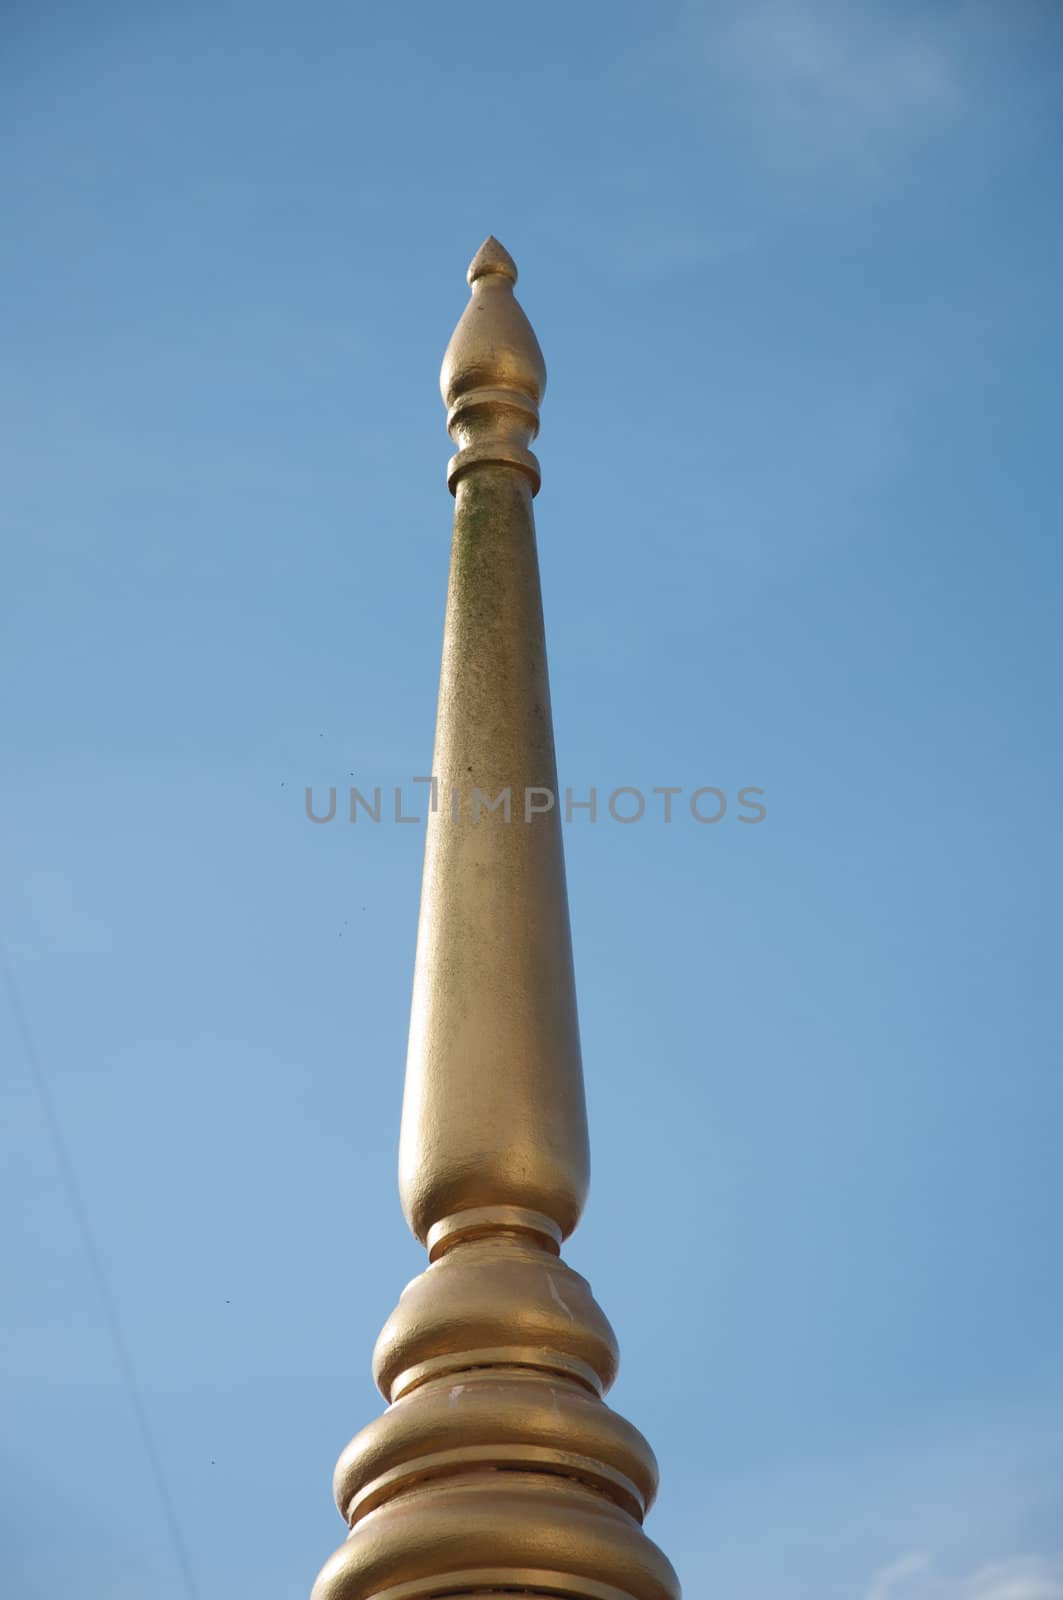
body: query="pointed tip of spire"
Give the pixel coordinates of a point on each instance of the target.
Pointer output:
(492, 257)
(493, 375)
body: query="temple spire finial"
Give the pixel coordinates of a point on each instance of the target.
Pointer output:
(497, 1467)
(493, 377)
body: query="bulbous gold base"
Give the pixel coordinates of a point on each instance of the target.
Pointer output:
(497, 1466)
(495, 1533)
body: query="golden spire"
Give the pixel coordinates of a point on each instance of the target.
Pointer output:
(497, 1466)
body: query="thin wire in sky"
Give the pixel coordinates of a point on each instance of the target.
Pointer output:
(96, 1267)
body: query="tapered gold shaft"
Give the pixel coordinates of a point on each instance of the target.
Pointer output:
(496, 1467)
(494, 1113)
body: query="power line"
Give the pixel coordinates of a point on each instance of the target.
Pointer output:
(103, 1289)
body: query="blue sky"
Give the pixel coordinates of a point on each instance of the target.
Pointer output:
(795, 269)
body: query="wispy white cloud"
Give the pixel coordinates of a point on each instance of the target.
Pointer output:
(859, 75)
(955, 1514)
(889, 1580)
(809, 101)
(1024, 1578)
